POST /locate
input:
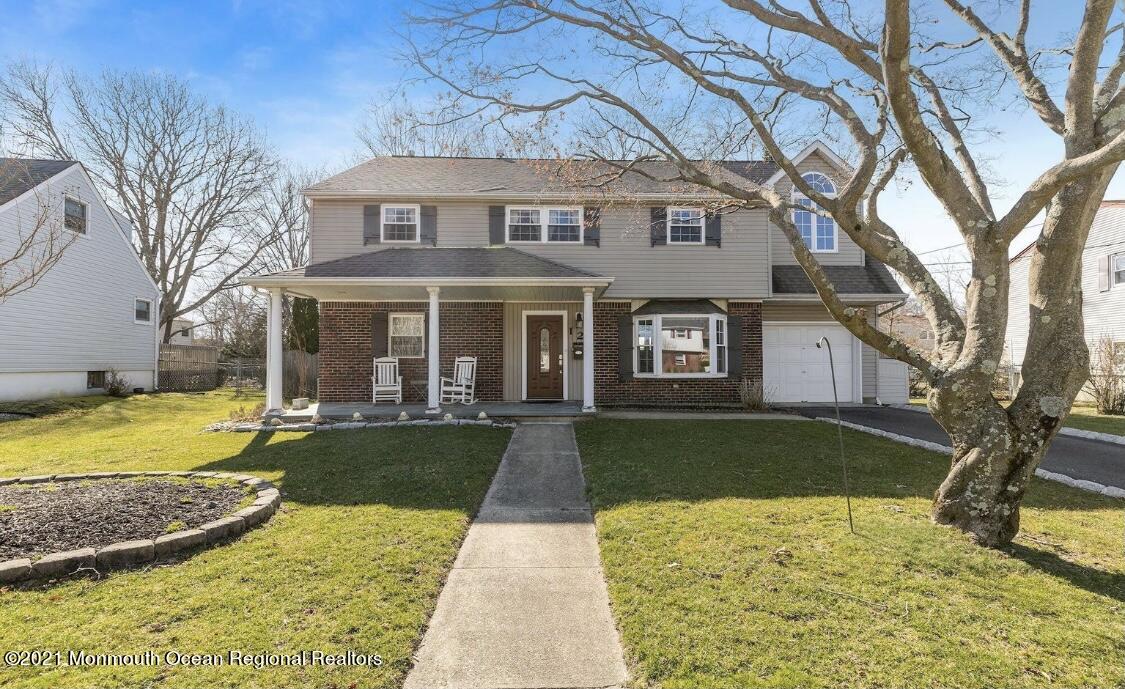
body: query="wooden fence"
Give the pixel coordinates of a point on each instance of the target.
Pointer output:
(185, 368)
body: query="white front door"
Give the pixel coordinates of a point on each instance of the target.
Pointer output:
(795, 370)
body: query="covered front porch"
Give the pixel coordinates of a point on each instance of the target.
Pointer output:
(427, 306)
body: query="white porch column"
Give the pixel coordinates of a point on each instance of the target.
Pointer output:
(433, 401)
(273, 353)
(588, 349)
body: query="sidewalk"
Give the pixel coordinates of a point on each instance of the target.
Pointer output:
(526, 602)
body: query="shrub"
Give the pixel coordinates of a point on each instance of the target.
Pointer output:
(252, 414)
(753, 395)
(1107, 376)
(115, 383)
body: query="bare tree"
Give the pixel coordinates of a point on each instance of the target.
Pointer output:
(912, 83)
(36, 238)
(189, 175)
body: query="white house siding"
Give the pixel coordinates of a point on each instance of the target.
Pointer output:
(1103, 312)
(79, 317)
(848, 254)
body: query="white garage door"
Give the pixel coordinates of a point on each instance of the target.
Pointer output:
(796, 371)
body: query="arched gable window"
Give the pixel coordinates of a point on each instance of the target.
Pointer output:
(818, 231)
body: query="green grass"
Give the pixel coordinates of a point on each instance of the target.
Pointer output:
(370, 525)
(1088, 419)
(729, 563)
(1083, 416)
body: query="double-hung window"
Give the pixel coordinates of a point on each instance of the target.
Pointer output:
(399, 224)
(142, 310)
(685, 226)
(74, 215)
(683, 346)
(544, 224)
(817, 231)
(1118, 269)
(406, 333)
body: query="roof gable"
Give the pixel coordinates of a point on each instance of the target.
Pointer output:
(20, 175)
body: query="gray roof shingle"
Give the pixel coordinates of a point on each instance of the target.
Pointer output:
(18, 175)
(426, 175)
(873, 278)
(501, 262)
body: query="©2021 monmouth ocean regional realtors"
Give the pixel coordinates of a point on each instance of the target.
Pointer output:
(56, 658)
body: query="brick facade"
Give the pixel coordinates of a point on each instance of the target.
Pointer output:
(610, 390)
(477, 329)
(467, 329)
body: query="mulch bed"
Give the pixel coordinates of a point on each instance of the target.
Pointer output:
(39, 519)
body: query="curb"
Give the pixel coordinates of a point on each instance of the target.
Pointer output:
(131, 553)
(1081, 484)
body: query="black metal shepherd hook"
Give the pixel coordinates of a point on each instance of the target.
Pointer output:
(839, 429)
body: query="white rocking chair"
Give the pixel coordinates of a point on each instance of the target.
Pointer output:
(386, 383)
(460, 388)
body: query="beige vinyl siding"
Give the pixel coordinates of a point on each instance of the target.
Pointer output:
(795, 313)
(79, 317)
(513, 346)
(738, 269)
(849, 253)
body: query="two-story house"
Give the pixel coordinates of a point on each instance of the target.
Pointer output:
(94, 310)
(642, 292)
(1103, 284)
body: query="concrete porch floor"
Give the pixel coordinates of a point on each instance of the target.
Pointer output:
(344, 410)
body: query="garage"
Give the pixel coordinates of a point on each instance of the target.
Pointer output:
(795, 370)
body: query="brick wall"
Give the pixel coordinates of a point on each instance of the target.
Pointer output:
(346, 351)
(610, 390)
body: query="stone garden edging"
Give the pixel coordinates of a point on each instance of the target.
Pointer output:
(276, 424)
(131, 553)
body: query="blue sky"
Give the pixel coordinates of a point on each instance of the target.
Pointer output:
(305, 73)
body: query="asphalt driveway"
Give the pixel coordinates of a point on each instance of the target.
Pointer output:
(1076, 457)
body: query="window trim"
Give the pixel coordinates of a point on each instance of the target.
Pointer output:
(417, 208)
(136, 320)
(85, 231)
(797, 197)
(668, 225)
(544, 224)
(1114, 270)
(390, 332)
(657, 353)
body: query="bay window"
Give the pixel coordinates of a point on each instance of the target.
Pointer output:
(680, 346)
(544, 224)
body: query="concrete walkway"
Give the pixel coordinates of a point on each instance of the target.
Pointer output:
(526, 602)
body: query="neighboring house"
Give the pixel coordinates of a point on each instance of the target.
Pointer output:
(912, 328)
(183, 331)
(674, 301)
(1103, 284)
(94, 310)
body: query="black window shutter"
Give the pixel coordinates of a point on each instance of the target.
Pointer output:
(428, 231)
(625, 347)
(1104, 277)
(658, 227)
(592, 229)
(714, 229)
(495, 224)
(371, 224)
(379, 334)
(734, 346)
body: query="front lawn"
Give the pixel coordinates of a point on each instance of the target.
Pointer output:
(729, 563)
(370, 525)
